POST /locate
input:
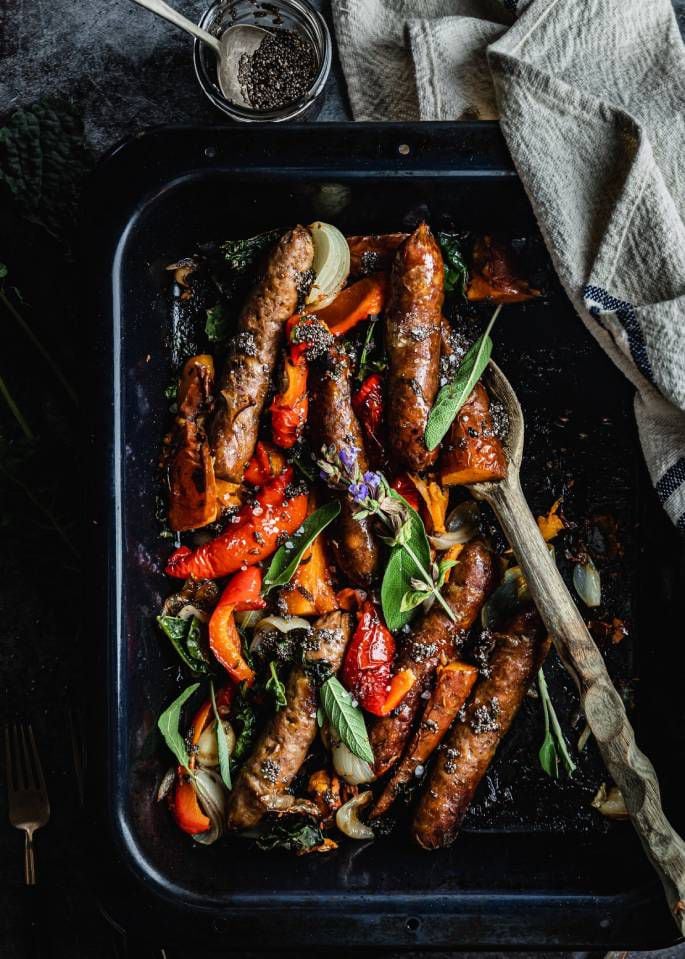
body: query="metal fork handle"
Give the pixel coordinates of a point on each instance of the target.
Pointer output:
(29, 860)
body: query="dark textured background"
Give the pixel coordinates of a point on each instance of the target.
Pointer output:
(126, 70)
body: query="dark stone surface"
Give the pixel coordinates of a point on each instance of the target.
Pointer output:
(127, 70)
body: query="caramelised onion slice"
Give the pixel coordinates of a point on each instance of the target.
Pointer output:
(347, 817)
(331, 264)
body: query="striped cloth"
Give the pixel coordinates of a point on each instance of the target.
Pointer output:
(590, 95)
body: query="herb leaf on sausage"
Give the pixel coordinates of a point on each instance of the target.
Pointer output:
(288, 557)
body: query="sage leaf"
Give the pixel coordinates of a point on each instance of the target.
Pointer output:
(554, 749)
(346, 719)
(221, 743)
(186, 638)
(401, 569)
(412, 599)
(453, 395)
(168, 726)
(288, 557)
(275, 686)
(456, 271)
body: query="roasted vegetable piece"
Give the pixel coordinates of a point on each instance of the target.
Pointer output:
(355, 303)
(371, 253)
(434, 639)
(434, 505)
(266, 464)
(285, 742)
(472, 452)
(333, 423)
(405, 486)
(471, 745)
(242, 592)
(310, 592)
(493, 277)
(368, 405)
(453, 684)
(368, 660)
(413, 321)
(253, 353)
(190, 471)
(324, 788)
(252, 538)
(289, 408)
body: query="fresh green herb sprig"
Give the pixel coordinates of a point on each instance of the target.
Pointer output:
(293, 834)
(245, 718)
(289, 556)
(168, 724)
(453, 395)
(221, 742)
(456, 271)
(186, 638)
(346, 718)
(217, 324)
(276, 687)
(554, 750)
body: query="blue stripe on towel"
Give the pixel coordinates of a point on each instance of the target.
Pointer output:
(599, 302)
(671, 480)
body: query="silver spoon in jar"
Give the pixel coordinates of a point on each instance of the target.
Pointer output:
(604, 710)
(234, 43)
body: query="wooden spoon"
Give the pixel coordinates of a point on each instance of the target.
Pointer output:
(630, 769)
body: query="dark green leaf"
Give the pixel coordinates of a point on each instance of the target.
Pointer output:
(456, 271)
(217, 324)
(241, 254)
(292, 834)
(287, 558)
(275, 686)
(168, 724)
(244, 717)
(221, 743)
(401, 569)
(185, 637)
(346, 719)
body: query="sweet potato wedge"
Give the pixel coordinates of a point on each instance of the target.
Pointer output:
(472, 452)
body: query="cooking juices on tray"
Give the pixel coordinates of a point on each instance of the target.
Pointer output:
(335, 570)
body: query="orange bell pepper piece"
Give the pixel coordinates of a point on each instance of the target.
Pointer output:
(400, 684)
(366, 297)
(185, 807)
(242, 592)
(312, 593)
(289, 409)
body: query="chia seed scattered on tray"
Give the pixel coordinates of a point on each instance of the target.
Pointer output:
(484, 719)
(270, 770)
(245, 343)
(280, 70)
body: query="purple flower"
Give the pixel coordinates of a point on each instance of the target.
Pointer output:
(372, 480)
(348, 457)
(358, 491)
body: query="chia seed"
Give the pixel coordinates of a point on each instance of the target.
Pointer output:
(280, 70)
(270, 770)
(484, 719)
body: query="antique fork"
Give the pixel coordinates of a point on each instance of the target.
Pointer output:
(29, 807)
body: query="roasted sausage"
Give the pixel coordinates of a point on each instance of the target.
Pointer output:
(284, 744)
(412, 335)
(253, 353)
(470, 746)
(436, 638)
(453, 685)
(333, 423)
(190, 472)
(472, 452)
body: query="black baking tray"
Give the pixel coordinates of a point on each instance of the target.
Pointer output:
(535, 867)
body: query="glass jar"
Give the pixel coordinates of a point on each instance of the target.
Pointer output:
(296, 15)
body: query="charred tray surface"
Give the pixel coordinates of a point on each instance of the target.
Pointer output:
(527, 838)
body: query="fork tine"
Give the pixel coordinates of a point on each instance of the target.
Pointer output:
(40, 779)
(19, 773)
(9, 771)
(26, 753)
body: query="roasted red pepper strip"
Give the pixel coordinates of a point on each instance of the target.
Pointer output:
(368, 661)
(302, 332)
(266, 464)
(185, 807)
(243, 591)
(289, 409)
(403, 485)
(367, 403)
(250, 539)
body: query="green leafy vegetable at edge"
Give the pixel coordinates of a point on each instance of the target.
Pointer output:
(217, 324)
(346, 719)
(286, 559)
(456, 271)
(240, 254)
(401, 569)
(292, 835)
(244, 714)
(221, 743)
(554, 745)
(185, 638)
(453, 395)
(168, 726)
(275, 686)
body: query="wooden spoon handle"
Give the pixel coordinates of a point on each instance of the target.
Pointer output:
(603, 707)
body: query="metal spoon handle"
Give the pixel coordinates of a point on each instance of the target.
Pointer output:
(163, 9)
(603, 707)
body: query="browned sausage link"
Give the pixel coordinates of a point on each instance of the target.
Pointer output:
(254, 351)
(436, 638)
(412, 334)
(333, 423)
(471, 745)
(284, 744)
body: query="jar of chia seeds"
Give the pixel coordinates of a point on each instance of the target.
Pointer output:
(283, 77)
